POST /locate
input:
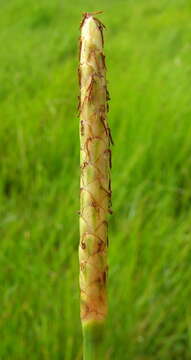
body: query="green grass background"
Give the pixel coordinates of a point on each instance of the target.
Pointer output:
(148, 52)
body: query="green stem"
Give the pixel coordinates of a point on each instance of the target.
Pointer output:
(93, 335)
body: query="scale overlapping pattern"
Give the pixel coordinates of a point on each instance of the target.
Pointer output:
(95, 184)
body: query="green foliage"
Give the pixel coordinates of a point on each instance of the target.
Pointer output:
(148, 58)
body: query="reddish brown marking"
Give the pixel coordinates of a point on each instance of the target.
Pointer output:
(79, 105)
(90, 139)
(101, 175)
(82, 103)
(98, 280)
(84, 219)
(83, 245)
(103, 60)
(86, 145)
(87, 310)
(90, 89)
(105, 222)
(79, 76)
(98, 74)
(89, 125)
(110, 136)
(102, 108)
(95, 13)
(110, 211)
(107, 242)
(101, 246)
(101, 298)
(110, 185)
(93, 52)
(108, 192)
(95, 205)
(83, 266)
(85, 163)
(84, 17)
(89, 192)
(100, 26)
(80, 47)
(110, 201)
(82, 128)
(89, 233)
(108, 151)
(102, 119)
(107, 95)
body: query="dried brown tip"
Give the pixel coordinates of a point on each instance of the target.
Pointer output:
(86, 15)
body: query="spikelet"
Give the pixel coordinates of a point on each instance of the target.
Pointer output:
(95, 163)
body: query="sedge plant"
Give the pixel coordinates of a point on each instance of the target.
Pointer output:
(95, 185)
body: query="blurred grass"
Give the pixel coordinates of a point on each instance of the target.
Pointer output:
(148, 49)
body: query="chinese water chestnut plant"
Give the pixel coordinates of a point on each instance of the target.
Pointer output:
(95, 185)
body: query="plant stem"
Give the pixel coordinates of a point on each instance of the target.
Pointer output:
(93, 335)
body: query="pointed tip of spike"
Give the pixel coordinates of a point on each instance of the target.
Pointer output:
(92, 29)
(92, 13)
(87, 15)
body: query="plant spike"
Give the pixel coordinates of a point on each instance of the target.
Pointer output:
(95, 189)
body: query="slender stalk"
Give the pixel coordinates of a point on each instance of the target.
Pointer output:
(95, 189)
